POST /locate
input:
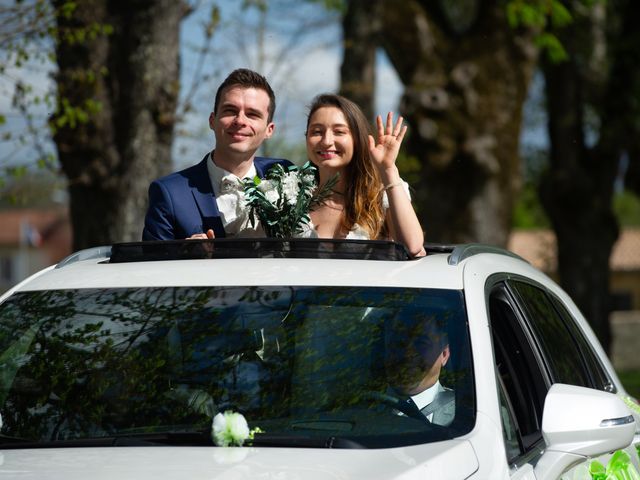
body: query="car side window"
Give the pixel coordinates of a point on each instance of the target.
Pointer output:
(518, 370)
(512, 443)
(599, 377)
(559, 347)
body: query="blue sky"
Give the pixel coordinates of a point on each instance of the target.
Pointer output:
(298, 51)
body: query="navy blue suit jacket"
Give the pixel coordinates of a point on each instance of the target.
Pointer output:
(183, 203)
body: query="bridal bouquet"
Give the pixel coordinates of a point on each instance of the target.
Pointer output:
(283, 199)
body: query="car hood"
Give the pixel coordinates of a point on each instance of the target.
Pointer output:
(454, 459)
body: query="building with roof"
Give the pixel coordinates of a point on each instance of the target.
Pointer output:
(31, 239)
(539, 248)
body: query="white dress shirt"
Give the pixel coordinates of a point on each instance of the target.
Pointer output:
(425, 398)
(230, 200)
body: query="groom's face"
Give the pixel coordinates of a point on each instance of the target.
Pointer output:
(415, 351)
(241, 121)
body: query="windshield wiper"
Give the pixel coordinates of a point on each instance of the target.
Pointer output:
(178, 439)
(124, 440)
(298, 441)
(7, 440)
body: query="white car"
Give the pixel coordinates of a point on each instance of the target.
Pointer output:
(114, 362)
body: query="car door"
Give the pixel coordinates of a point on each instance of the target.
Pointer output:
(565, 354)
(522, 383)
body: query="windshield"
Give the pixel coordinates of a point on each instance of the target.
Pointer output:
(299, 362)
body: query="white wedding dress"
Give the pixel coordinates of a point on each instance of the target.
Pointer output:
(357, 232)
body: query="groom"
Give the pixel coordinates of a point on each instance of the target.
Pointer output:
(204, 201)
(416, 350)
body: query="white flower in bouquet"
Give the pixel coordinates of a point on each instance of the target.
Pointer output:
(308, 177)
(283, 200)
(231, 429)
(270, 190)
(266, 186)
(290, 187)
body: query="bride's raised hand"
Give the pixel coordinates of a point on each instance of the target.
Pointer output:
(384, 150)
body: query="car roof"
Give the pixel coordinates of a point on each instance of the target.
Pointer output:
(221, 263)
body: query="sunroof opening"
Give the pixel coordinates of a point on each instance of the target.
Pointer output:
(258, 248)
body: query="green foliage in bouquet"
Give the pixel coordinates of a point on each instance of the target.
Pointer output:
(283, 199)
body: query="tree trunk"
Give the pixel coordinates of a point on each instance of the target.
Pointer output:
(577, 191)
(361, 29)
(132, 75)
(623, 101)
(465, 85)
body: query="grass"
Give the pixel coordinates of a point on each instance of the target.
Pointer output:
(631, 381)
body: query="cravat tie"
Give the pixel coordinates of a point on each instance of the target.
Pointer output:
(229, 184)
(235, 217)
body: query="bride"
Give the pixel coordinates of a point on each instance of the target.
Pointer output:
(370, 200)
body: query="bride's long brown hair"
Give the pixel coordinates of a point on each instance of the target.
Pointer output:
(363, 196)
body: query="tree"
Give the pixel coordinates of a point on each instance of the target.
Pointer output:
(594, 121)
(280, 39)
(101, 111)
(25, 52)
(466, 72)
(361, 29)
(113, 129)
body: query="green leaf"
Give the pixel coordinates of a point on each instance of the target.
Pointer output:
(597, 470)
(339, 6)
(11, 359)
(67, 9)
(214, 21)
(619, 459)
(532, 16)
(560, 15)
(512, 14)
(552, 46)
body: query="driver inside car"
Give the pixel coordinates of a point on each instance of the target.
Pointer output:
(416, 350)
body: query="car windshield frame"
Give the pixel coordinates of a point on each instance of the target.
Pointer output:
(305, 364)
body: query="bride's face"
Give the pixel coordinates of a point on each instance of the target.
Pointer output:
(329, 140)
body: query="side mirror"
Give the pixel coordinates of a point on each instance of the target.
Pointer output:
(579, 422)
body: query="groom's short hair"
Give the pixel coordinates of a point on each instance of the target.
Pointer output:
(245, 78)
(415, 337)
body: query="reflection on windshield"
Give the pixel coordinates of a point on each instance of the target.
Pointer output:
(306, 361)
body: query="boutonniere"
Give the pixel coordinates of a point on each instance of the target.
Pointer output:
(283, 199)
